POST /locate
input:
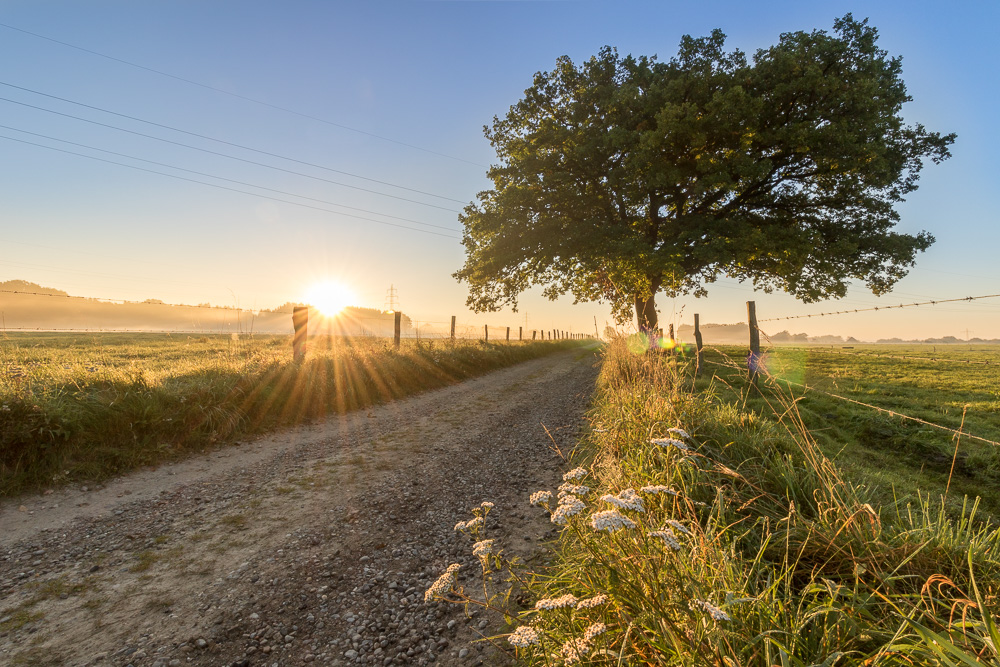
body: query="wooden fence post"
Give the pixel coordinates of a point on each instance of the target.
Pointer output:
(300, 322)
(753, 358)
(700, 362)
(397, 328)
(508, 334)
(453, 327)
(486, 332)
(520, 333)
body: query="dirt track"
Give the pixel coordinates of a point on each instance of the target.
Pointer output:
(311, 546)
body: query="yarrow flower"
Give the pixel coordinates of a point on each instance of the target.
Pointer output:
(574, 650)
(716, 613)
(594, 630)
(658, 488)
(567, 507)
(486, 505)
(482, 549)
(590, 603)
(474, 522)
(573, 489)
(668, 538)
(567, 600)
(671, 442)
(626, 500)
(610, 520)
(575, 473)
(679, 432)
(443, 583)
(540, 497)
(679, 526)
(524, 637)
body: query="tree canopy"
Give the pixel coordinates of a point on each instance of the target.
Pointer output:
(625, 176)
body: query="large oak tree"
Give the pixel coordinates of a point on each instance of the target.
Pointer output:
(624, 177)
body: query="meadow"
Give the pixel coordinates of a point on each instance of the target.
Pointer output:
(91, 406)
(708, 522)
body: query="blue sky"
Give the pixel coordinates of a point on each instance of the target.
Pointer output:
(427, 74)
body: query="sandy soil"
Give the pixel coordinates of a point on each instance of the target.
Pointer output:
(313, 545)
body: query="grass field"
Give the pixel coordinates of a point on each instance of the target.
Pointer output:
(86, 407)
(896, 457)
(706, 525)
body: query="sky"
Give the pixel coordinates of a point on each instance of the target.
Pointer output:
(380, 107)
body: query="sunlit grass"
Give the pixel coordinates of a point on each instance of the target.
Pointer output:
(92, 406)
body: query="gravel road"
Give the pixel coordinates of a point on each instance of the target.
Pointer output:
(309, 546)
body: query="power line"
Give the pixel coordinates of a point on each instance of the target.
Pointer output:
(223, 187)
(242, 97)
(230, 180)
(226, 155)
(864, 310)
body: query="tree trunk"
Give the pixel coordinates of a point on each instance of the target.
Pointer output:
(645, 313)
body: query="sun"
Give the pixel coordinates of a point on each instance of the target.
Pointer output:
(329, 297)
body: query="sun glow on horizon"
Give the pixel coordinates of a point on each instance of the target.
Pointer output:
(329, 297)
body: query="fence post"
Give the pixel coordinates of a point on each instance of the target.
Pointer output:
(753, 358)
(486, 332)
(520, 333)
(300, 322)
(508, 334)
(700, 363)
(533, 334)
(453, 327)
(397, 327)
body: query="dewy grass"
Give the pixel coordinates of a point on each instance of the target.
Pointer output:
(92, 406)
(761, 553)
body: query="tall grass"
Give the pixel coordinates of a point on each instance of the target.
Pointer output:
(735, 541)
(96, 406)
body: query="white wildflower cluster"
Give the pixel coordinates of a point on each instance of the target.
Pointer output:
(567, 600)
(668, 537)
(594, 630)
(474, 522)
(679, 432)
(540, 498)
(658, 488)
(566, 489)
(574, 650)
(716, 613)
(443, 583)
(610, 520)
(671, 442)
(567, 507)
(575, 473)
(524, 637)
(626, 500)
(673, 523)
(482, 549)
(486, 505)
(590, 603)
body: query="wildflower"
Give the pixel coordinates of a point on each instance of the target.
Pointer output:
(590, 603)
(482, 549)
(524, 637)
(567, 507)
(655, 489)
(474, 522)
(671, 442)
(594, 630)
(567, 600)
(540, 498)
(574, 650)
(443, 583)
(679, 526)
(573, 489)
(681, 433)
(716, 613)
(610, 520)
(668, 537)
(626, 500)
(575, 473)
(486, 505)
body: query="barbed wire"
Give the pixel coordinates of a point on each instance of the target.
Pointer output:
(875, 308)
